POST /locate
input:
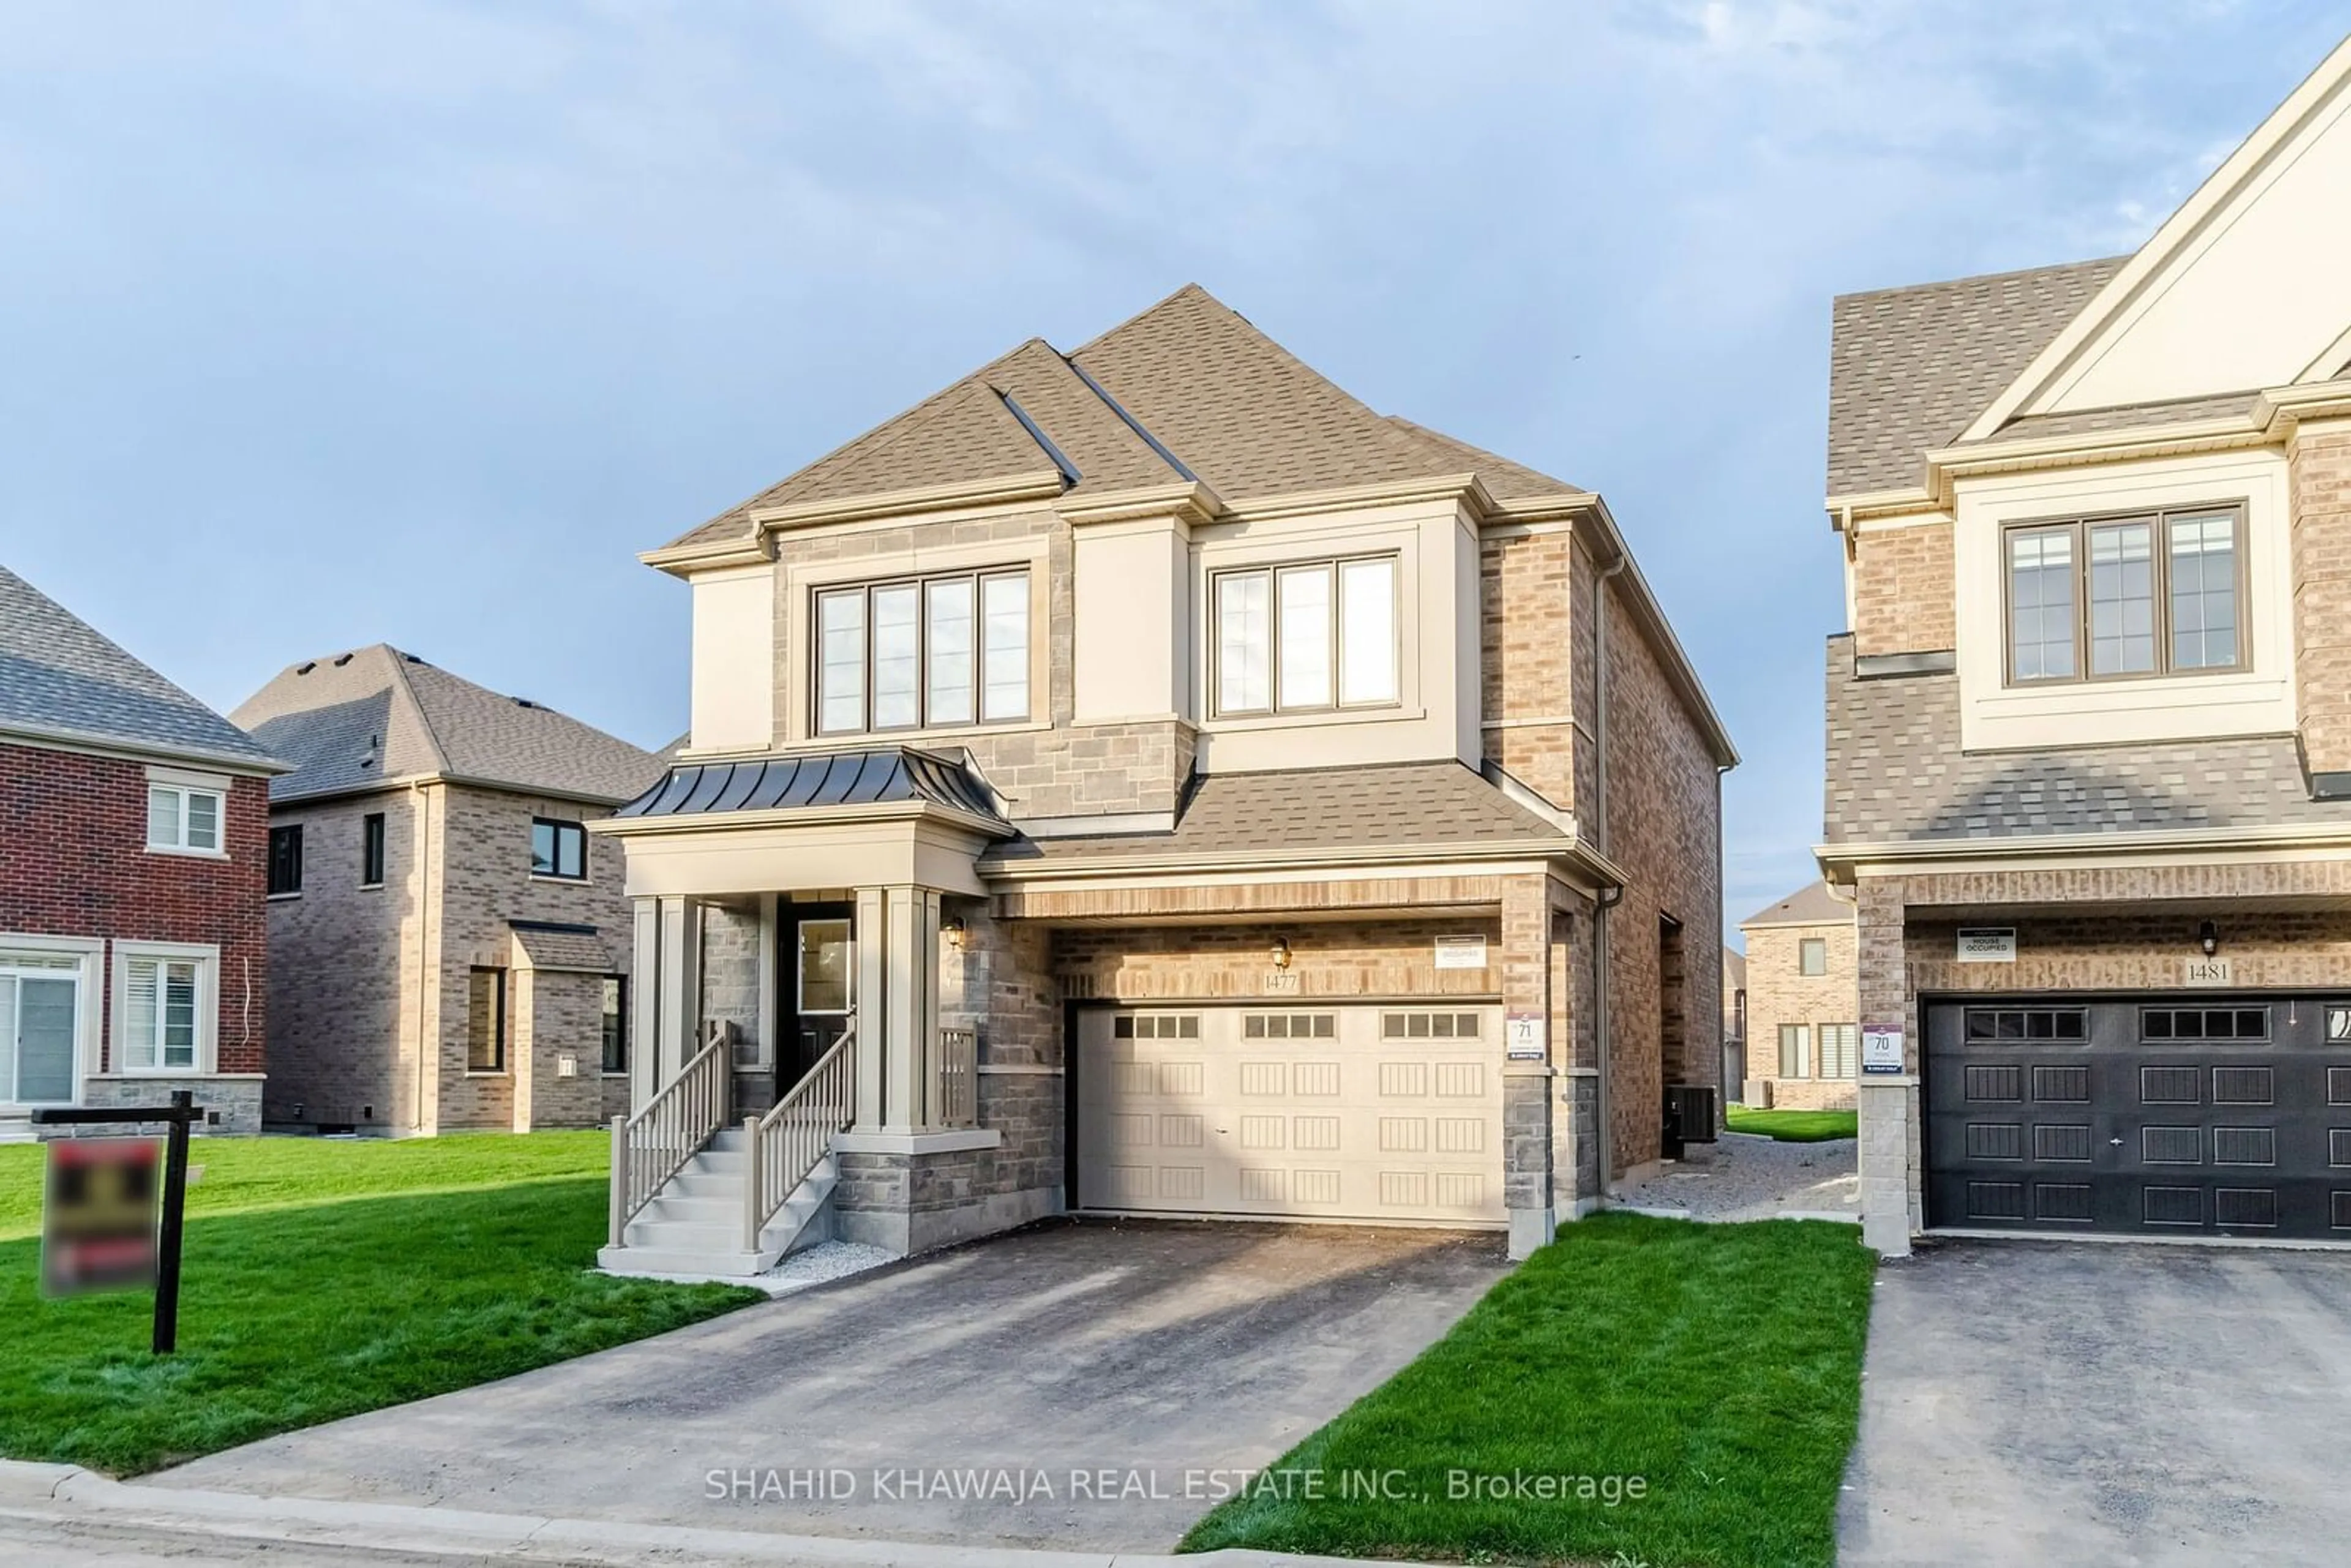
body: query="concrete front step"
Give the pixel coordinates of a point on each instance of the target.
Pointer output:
(734, 1264)
(694, 1225)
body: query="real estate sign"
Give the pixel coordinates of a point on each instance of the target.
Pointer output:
(98, 1224)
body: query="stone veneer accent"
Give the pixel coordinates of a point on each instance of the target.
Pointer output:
(1903, 598)
(236, 1101)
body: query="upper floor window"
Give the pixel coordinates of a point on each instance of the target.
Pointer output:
(558, 848)
(1312, 635)
(2111, 598)
(923, 653)
(1812, 956)
(371, 849)
(285, 860)
(184, 817)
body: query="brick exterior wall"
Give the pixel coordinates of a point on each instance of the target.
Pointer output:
(1779, 992)
(1664, 826)
(74, 862)
(1527, 669)
(1903, 598)
(1067, 770)
(364, 978)
(2319, 464)
(1366, 960)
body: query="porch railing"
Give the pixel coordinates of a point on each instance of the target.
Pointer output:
(959, 1089)
(654, 1145)
(784, 1146)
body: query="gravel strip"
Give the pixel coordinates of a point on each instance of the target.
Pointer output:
(1751, 1177)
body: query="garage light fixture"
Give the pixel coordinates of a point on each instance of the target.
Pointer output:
(1281, 952)
(2208, 936)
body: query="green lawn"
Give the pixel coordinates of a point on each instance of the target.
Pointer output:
(323, 1278)
(1792, 1126)
(1720, 1364)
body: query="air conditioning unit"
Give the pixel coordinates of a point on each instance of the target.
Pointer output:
(1690, 1117)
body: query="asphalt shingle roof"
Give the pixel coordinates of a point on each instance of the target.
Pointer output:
(1812, 905)
(1308, 810)
(1910, 369)
(1895, 774)
(59, 677)
(375, 714)
(1188, 389)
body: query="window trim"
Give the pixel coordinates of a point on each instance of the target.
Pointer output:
(1805, 946)
(1848, 1050)
(1805, 1059)
(558, 874)
(290, 834)
(922, 583)
(1271, 571)
(2078, 527)
(375, 845)
(205, 956)
(185, 788)
(499, 1022)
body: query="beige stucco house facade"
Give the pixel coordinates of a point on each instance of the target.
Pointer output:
(450, 948)
(1804, 1002)
(2089, 727)
(1144, 779)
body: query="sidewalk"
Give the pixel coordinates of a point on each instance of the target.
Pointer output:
(63, 1512)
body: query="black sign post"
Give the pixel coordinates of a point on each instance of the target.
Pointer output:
(177, 1117)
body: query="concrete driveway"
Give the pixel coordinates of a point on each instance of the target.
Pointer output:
(2060, 1402)
(1116, 1362)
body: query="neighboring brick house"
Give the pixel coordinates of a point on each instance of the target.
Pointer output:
(450, 946)
(2089, 732)
(1804, 1002)
(1273, 808)
(133, 955)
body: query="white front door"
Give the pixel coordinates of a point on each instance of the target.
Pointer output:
(38, 1014)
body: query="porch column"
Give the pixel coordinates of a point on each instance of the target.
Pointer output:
(668, 973)
(1891, 1205)
(872, 997)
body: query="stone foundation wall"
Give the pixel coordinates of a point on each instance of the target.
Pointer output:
(236, 1101)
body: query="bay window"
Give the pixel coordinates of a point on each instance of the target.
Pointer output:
(1307, 636)
(923, 653)
(2114, 598)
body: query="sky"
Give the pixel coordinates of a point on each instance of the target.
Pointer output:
(326, 324)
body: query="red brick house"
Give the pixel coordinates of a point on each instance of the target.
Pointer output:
(133, 828)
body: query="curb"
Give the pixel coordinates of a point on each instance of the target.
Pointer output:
(68, 1493)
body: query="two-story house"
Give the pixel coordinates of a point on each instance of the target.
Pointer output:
(2089, 731)
(1186, 793)
(1804, 1002)
(450, 948)
(134, 954)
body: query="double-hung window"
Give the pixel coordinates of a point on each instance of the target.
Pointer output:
(2114, 598)
(183, 819)
(927, 653)
(1812, 956)
(1840, 1049)
(162, 1002)
(1312, 635)
(1795, 1051)
(558, 848)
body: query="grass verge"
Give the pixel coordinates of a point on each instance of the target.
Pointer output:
(1793, 1126)
(1720, 1366)
(322, 1280)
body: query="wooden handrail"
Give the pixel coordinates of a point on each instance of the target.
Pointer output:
(784, 1146)
(654, 1145)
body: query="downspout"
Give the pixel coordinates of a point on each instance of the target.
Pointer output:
(1610, 897)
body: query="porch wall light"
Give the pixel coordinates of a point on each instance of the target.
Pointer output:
(1281, 952)
(952, 928)
(2208, 936)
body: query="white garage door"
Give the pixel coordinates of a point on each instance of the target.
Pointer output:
(1346, 1114)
